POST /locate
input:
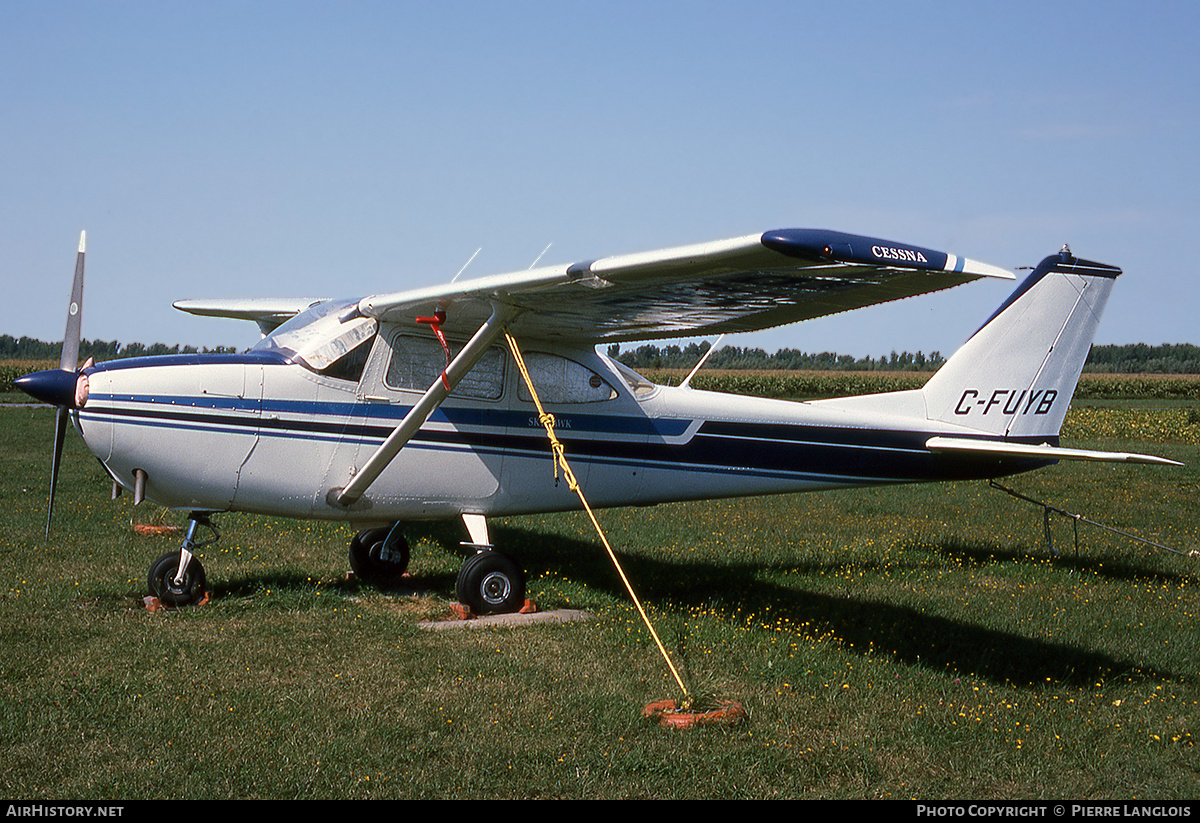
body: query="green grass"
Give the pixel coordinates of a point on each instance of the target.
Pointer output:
(916, 642)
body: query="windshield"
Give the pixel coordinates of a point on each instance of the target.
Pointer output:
(320, 335)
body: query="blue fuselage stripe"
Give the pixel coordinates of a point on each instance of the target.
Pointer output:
(824, 453)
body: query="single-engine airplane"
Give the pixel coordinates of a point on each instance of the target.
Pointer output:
(401, 407)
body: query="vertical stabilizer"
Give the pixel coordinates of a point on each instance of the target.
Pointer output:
(1014, 378)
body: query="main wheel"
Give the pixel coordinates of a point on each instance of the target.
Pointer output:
(161, 581)
(379, 555)
(491, 583)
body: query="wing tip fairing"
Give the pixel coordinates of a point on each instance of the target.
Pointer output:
(823, 245)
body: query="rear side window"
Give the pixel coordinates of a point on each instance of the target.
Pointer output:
(559, 380)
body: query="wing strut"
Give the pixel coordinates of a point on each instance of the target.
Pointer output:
(487, 334)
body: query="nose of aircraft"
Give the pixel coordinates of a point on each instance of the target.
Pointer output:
(57, 387)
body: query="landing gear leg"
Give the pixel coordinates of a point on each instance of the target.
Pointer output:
(177, 578)
(489, 582)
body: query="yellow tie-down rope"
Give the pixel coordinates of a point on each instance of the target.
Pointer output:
(560, 461)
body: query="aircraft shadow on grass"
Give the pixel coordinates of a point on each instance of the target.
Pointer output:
(907, 635)
(862, 625)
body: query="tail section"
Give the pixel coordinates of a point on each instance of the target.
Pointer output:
(1014, 378)
(1004, 394)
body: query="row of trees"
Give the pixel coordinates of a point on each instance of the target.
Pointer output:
(734, 357)
(28, 348)
(1138, 358)
(1134, 358)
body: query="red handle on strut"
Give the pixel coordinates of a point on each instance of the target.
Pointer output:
(435, 323)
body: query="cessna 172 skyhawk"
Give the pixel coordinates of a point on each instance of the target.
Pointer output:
(407, 406)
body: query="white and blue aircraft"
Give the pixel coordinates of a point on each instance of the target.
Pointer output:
(393, 408)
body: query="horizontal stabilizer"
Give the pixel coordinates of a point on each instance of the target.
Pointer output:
(999, 448)
(268, 313)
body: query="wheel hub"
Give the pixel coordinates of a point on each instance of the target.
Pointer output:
(495, 588)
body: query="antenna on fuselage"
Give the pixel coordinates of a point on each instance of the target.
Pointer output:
(692, 373)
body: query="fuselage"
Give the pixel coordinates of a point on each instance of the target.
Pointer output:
(262, 432)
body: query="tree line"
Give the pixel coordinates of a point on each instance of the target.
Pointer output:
(649, 356)
(1139, 358)
(1133, 358)
(28, 348)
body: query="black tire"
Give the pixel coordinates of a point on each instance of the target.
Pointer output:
(161, 581)
(491, 583)
(379, 555)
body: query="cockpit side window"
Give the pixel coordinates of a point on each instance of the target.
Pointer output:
(351, 364)
(559, 380)
(418, 361)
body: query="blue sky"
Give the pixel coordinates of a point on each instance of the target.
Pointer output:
(224, 149)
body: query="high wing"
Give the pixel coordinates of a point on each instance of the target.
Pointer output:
(744, 284)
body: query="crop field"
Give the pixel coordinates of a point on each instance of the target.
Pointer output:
(807, 385)
(919, 642)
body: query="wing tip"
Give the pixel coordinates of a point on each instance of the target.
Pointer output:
(968, 266)
(823, 245)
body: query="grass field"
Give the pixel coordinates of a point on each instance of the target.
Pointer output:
(918, 642)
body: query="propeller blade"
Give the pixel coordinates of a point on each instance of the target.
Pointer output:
(70, 350)
(60, 431)
(66, 387)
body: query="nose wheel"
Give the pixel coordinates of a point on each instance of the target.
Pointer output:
(177, 578)
(174, 590)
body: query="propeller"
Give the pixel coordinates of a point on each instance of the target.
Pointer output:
(65, 388)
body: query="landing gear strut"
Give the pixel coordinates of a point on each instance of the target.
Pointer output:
(177, 578)
(489, 582)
